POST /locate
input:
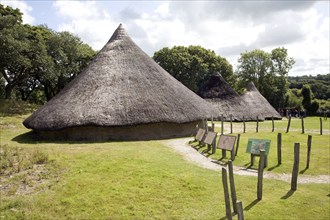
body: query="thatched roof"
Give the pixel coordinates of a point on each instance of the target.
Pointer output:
(259, 104)
(225, 100)
(216, 87)
(122, 86)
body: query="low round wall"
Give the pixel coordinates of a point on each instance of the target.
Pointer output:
(136, 132)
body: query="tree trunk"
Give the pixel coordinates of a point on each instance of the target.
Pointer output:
(8, 91)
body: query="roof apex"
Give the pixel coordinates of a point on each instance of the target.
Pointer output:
(119, 34)
(251, 87)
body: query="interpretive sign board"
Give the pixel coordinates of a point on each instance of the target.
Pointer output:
(210, 137)
(255, 145)
(200, 134)
(226, 142)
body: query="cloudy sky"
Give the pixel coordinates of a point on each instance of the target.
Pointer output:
(227, 27)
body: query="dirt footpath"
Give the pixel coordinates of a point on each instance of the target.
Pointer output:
(190, 154)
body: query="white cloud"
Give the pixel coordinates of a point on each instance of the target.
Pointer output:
(24, 7)
(86, 19)
(228, 28)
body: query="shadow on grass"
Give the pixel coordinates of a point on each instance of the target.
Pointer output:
(221, 163)
(225, 217)
(288, 194)
(303, 171)
(253, 203)
(27, 138)
(33, 138)
(272, 168)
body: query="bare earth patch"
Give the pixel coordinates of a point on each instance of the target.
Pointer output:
(27, 181)
(190, 154)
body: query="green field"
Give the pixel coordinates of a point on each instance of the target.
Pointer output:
(319, 161)
(148, 180)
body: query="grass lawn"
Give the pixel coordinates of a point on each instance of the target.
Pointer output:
(320, 151)
(148, 180)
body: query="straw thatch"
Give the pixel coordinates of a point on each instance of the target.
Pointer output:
(121, 94)
(225, 101)
(259, 104)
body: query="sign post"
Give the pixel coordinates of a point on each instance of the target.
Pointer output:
(255, 145)
(226, 143)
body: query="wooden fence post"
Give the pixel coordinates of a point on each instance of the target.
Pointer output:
(226, 193)
(223, 153)
(237, 143)
(232, 185)
(273, 124)
(244, 125)
(279, 148)
(257, 128)
(289, 122)
(309, 147)
(320, 126)
(302, 125)
(260, 173)
(206, 126)
(240, 213)
(231, 124)
(294, 178)
(221, 124)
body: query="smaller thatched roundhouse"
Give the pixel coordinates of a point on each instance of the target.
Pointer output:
(262, 108)
(227, 103)
(121, 95)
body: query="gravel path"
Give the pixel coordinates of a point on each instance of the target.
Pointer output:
(190, 154)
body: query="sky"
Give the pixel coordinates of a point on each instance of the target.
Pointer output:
(227, 27)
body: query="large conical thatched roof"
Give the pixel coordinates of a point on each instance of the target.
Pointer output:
(259, 104)
(225, 100)
(122, 86)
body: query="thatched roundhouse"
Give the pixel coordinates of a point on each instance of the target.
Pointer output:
(259, 104)
(225, 100)
(121, 95)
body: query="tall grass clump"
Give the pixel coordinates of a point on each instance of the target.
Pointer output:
(15, 159)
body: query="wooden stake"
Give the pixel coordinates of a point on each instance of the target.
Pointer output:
(279, 148)
(221, 124)
(302, 125)
(309, 147)
(223, 153)
(320, 126)
(240, 213)
(289, 122)
(257, 128)
(231, 124)
(294, 178)
(206, 127)
(273, 124)
(237, 143)
(226, 193)
(243, 124)
(260, 173)
(232, 185)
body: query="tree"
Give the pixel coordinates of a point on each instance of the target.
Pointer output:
(69, 56)
(35, 57)
(311, 107)
(269, 73)
(193, 65)
(22, 50)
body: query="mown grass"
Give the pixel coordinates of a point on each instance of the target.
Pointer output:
(320, 151)
(145, 180)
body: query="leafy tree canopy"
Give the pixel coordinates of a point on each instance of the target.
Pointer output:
(36, 58)
(193, 65)
(268, 71)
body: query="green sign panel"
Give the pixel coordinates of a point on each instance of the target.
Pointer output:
(255, 145)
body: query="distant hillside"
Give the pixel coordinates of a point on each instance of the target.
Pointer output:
(320, 84)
